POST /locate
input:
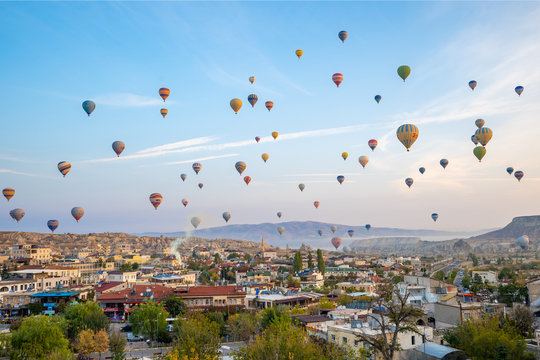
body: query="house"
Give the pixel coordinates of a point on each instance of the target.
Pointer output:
(454, 309)
(36, 253)
(253, 276)
(266, 299)
(174, 279)
(346, 271)
(432, 351)
(53, 298)
(487, 276)
(109, 287)
(369, 287)
(310, 279)
(534, 292)
(122, 276)
(204, 297)
(421, 290)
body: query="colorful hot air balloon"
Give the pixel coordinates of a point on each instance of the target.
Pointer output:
(409, 182)
(183, 177)
(185, 202)
(279, 214)
(479, 123)
(407, 134)
(368, 227)
(523, 241)
(510, 170)
(226, 216)
(240, 167)
(342, 35)
(77, 212)
(301, 187)
(336, 241)
(473, 139)
(236, 104)
(275, 134)
(372, 144)
(320, 232)
(52, 225)
(17, 214)
(299, 53)
(422, 170)
(88, 106)
(483, 135)
(404, 71)
(64, 167)
(444, 163)
(316, 204)
(252, 99)
(196, 167)
(163, 112)
(340, 179)
(378, 98)
(519, 90)
(155, 199)
(252, 79)
(333, 228)
(118, 147)
(434, 216)
(280, 230)
(8, 193)
(265, 157)
(363, 160)
(257, 138)
(472, 84)
(337, 78)
(479, 152)
(164, 93)
(519, 175)
(247, 179)
(344, 155)
(269, 105)
(201, 185)
(195, 221)
(350, 232)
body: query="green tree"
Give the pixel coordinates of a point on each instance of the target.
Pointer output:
(324, 303)
(35, 308)
(242, 326)
(82, 316)
(320, 261)
(175, 305)
(135, 266)
(297, 262)
(344, 300)
(5, 345)
(247, 257)
(89, 341)
(233, 256)
(271, 314)
(40, 337)
(513, 292)
(148, 319)
(466, 280)
(439, 275)
(523, 320)
(474, 259)
(196, 336)
(310, 261)
(217, 259)
(117, 345)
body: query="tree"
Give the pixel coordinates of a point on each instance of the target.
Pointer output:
(474, 259)
(247, 257)
(324, 303)
(85, 343)
(297, 262)
(310, 261)
(135, 266)
(40, 337)
(269, 315)
(85, 316)
(513, 292)
(466, 280)
(523, 320)
(35, 308)
(196, 336)
(242, 326)
(117, 344)
(320, 262)
(344, 300)
(148, 319)
(439, 275)
(233, 256)
(175, 305)
(217, 258)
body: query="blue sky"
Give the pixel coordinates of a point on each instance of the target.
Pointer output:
(57, 54)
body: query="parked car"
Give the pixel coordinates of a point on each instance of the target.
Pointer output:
(132, 338)
(126, 328)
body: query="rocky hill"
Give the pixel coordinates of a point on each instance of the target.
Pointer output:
(521, 225)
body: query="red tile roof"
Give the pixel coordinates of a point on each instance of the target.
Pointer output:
(106, 286)
(45, 267)
(211, 291)
(133, 294)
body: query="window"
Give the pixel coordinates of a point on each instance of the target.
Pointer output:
(344, 340)
(467, 316)
(333, 337)
(413, 340)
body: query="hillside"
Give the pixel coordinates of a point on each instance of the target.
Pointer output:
(521, 225)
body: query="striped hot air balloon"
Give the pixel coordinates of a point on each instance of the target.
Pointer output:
(247, 179)
(510, 170)
(64, 167)
(52, 225)
(479, 123)
(163, 112)
(196, 167)
(164, 93)
(337, 78)
(407, 134)
(252, 99)
(240, 167)
(483, 135)
(8, 193)
(519, 175)
(373, 144)
(155, 199)
(77, 212)
(269, 105)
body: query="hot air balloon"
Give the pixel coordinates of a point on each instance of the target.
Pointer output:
(17, 214)
(320, 232)
(252, 79)
(342, 35)
(118, 147)
(340, 179)
(88, 106)
(368, 227)
(404, 72)
(196, 167)
(444, 163)
(201, 185)
(316, 204)
(523, 241)
(163, 112)
(434, 216)
(407, 134)
(337, 78)
(279, 214)
(509, 170)
(519, 175)
(378, 98)
(409, 182)
(479, 152)
(479, 123)
(240, 167)
(472, 84)
(257, 138)
(183, 177)
(519, 90)
(473, 139)
(52, 225)
(77, 212)
(164, 93)
(333, 228)
(351, 233)
(280, 230)
(301, 187)
(195, 221)
(275, 135)
(252, 99)
(236, 104)
(336, 241)
(483, 135)
(299, 53)
(8, 193)
(269, 105)
(363, 160)
(64, 167)
(226, 216)
(344, 155)
(265, 157)
(155, 199)
(185, 202)
(422, 170)
(247, 180)
(372, 144)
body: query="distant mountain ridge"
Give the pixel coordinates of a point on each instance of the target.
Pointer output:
(521, 225)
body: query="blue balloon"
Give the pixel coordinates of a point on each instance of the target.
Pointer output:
(444, 163)
(422, 170)
(88, 106)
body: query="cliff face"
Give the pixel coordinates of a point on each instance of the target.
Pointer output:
(522, 225)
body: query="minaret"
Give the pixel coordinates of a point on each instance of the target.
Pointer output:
(262, 246)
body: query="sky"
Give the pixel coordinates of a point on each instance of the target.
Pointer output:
(57, 54)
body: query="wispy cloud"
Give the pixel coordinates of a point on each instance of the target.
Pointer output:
(200, 159)
(16, 159)
(178, 145)
(128, 100)
(14, 172)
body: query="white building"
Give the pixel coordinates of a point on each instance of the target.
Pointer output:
(122, 276)
(489, 276)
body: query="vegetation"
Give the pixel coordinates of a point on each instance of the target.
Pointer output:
(149, 320)
(89, 341)
(85, 316)
(320, 262)
(196, 337)
(175, 306)
(117, 345)
(297, 262)
(310, 264)
(242, 326)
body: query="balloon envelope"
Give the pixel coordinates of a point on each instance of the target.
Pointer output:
(201, 185)
(257, 138)
(196, 167)
(510, 170)
(275, 134)
(236, 104)
(269, 105)
(279, 214)
(183, 177)
(320, 232)
(368, 227)
(301, 187)
(519, 175)
(185, 202)
(472, 84)
(316, 204)
(340, 179)
(195, 221)
(280, 230)
(252, 79)
(337, 78)
(344, 155)
(64, 167)
(88, 106)
(8, 193)
(17, 214)
(164, 93)
(473, 139)
(479, 123)
(333, 228)
(523, 241)
(350, 232)
(407, 135)
(265, 157)
(422, 170)
(378, 98)
(343, 35)
(118, 146)
(404, 71)
(52, 225)
(363, 160)
(226, 216)
(252, 98)
(444, 163)
(336, 241)
(77, 212)
(372, 144)
(240, 167)
(434, 216)
(519, 90)
(299, 53)
(409, 181)
(163, 112)
(479, 152)
(483, 135)
(155, 199)
(247, 179)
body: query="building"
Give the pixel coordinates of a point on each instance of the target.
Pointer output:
(268, 299)
(253, 277)
(487, 276)
(36, 253)
(453, 309)
(53, 298)
(170, 262)
(204, 297)
(368, 287)
(181, 279)
(310, 279)
(534, 291)
(346, 271)
(122, 276)
(422, 290)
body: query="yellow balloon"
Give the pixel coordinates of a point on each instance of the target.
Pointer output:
(265, 156)
(483, 135)
(275, 135)
(344, 155)
(407, 134)
(299, 53)
(236, 104)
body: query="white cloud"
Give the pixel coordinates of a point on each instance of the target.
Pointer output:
(200, 159)
(14, 172)
(128, 100)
